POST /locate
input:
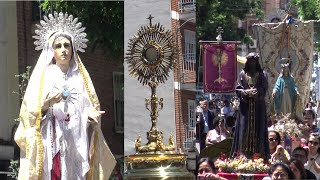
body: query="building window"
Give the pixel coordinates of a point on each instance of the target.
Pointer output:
(191, 113)
(187, 5)
(200, 78)
(118, 80)
(190, 127)
(189, 50)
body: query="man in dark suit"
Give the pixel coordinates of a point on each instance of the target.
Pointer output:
(204, 122)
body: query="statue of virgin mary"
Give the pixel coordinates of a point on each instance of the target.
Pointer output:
(59, 134)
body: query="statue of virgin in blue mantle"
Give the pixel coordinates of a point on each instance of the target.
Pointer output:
(285, 92)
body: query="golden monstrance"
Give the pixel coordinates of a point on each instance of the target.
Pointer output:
(151, 55)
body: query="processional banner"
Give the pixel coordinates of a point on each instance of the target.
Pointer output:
(279, 41)
(220, 67)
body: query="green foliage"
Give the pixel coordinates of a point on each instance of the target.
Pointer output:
(310, 10)
(212, 14)
(14, 167)
(315, 58)
(248, 40)
(307, 10)
(103, 21)
(23, 82)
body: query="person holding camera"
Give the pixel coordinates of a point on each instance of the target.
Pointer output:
(218, 133)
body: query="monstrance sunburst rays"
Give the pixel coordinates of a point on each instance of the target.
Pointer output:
(219, 58)
(151, 54)
(68, 95)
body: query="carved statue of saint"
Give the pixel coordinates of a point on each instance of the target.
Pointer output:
(285, 92)
(251, 136)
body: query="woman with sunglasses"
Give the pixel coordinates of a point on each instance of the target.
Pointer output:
(313, 163)
(277, 152)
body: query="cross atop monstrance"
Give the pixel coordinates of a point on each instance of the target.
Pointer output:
(150, 18)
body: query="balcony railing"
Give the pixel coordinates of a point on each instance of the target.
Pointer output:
(189, 62)
(187, 6)
(190, 139)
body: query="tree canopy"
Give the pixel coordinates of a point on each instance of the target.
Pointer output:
(309, 10)
(104, 21)
(212, 14)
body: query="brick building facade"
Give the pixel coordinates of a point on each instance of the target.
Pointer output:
(183, 26)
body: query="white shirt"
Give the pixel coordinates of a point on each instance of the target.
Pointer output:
(310, 166)
(214, 136)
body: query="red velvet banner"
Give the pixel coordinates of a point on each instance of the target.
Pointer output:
(220, 67)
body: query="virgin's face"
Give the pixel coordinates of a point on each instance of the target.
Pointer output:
(286, 71)
(62, 50)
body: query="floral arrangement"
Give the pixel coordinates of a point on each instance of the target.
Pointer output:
(242, 165)
(287, 126)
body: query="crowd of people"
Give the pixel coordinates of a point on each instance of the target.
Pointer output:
(302, 163)
(253, 131)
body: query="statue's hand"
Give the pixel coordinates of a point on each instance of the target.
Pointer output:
(254, 91)
(94, 116)
(273, 94)
(298, 94)
(50, 100)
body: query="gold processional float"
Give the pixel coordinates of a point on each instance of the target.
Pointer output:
(151, 55)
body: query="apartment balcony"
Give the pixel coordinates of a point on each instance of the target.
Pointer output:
(189, 67)
(187, 9)
(188, 80)
(189, 143)
(186, 6)
(190, 148)
(189, 62)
